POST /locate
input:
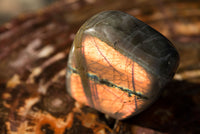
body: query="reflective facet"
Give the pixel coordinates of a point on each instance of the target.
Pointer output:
(118, 64)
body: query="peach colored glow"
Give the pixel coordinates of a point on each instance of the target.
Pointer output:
(107, 63)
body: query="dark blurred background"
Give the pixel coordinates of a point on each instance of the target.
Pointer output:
(12, 8)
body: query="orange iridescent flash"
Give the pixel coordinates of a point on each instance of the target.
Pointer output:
(126, 84)
(119, 65)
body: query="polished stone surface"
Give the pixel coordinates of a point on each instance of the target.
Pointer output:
(118, 64)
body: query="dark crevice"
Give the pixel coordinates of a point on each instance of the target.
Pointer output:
(110, 84)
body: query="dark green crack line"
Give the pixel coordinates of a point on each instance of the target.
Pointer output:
(109, 84)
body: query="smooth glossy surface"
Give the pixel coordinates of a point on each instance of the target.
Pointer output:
(118, 64)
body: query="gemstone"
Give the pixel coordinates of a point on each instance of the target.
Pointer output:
(119, 65)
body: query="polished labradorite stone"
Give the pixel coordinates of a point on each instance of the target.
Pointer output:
(118, 64)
